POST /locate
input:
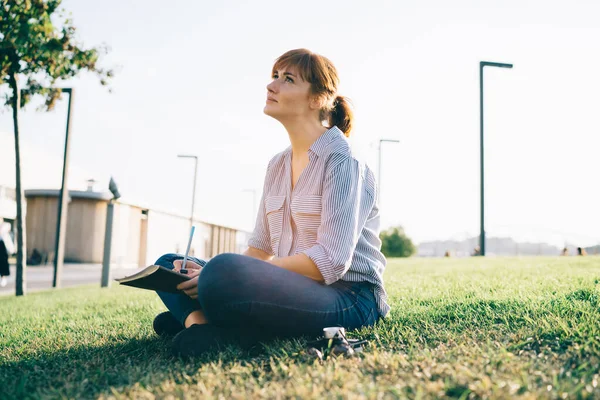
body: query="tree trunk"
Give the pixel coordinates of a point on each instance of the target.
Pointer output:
(20, 285)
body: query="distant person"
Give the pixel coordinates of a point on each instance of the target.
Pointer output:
(476, 251)
(6, 249)
(564, 252)
(581, 251)
(36, 258)
(314, 258)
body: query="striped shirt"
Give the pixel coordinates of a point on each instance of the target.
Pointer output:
(331, 215)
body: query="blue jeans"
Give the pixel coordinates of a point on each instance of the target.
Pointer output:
(243, 292)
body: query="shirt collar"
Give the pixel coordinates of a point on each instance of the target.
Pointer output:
(319, 146)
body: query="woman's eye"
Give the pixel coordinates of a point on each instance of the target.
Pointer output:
(287, 78)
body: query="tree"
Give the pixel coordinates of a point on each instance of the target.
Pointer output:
(37, 44)
(395, 243)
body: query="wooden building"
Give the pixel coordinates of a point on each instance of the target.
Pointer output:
(140, 235)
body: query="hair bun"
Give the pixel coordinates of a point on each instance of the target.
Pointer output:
(342, 115)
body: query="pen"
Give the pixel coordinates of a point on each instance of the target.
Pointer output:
(183, 270)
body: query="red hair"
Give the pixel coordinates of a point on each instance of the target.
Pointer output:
(320, 72)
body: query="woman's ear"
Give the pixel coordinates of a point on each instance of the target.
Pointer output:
(317, 102)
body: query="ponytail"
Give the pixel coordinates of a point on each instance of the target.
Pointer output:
(342, 115)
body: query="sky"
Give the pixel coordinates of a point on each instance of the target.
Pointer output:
(191, 79)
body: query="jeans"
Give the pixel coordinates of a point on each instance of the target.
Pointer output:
(241, 292)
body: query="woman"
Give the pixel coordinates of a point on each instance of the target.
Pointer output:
(314, 258)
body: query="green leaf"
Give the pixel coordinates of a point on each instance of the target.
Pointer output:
(42, 53)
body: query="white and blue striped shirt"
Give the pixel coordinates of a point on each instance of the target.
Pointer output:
(331, 215)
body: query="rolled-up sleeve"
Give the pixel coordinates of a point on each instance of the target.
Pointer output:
(341, 220)
(261, 237)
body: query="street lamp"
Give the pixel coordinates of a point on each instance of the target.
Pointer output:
(481, 65)
(63, 199)
(105, 279)
(194, 187)
(379, 167)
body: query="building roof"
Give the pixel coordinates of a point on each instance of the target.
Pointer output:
(74, 194)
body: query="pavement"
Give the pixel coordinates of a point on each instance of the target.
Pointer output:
(40, 277)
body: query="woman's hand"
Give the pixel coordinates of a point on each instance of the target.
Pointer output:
(189, 264)
(190, 287)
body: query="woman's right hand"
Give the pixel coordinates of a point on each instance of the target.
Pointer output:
(189, 287)
(189, 265)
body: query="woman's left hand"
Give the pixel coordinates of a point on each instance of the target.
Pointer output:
(190, 287)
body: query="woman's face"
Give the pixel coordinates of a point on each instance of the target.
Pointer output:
(288, 96)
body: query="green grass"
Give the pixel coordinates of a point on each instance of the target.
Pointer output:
(461, 328)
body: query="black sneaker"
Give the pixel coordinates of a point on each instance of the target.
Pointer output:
(165, 324)
(199, 339)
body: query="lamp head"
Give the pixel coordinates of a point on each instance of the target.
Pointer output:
(112, 186)
(494, 64)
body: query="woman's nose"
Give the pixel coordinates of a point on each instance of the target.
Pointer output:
(272, 87)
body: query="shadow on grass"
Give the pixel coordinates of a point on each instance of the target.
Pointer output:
(89, 372)
(117, 367)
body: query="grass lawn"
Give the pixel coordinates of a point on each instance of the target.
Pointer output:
(462, 328)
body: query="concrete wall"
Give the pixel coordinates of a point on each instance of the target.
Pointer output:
(40, 224)
(140, 235)
(168, 233)
(126, 237)
(85, 228)
(86, 222)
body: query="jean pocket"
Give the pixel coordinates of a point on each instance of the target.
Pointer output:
(348, 288)
(373, 317)
(367, 299)
(364, 314)
(367, 292)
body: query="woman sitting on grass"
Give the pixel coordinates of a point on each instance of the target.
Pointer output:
(314, 258)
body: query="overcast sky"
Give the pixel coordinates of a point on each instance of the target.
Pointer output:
(191, 78)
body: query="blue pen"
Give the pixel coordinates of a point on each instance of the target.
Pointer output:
(183, 270)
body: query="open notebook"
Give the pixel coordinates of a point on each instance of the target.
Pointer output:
(155, 277)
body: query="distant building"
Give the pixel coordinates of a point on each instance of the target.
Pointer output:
(140, 234)
(593, 249)
(494, 246)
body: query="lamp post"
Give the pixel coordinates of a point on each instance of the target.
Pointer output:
(63, 200)
(112, 186)
(379, 166)
(483, 64)
(194, 186)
